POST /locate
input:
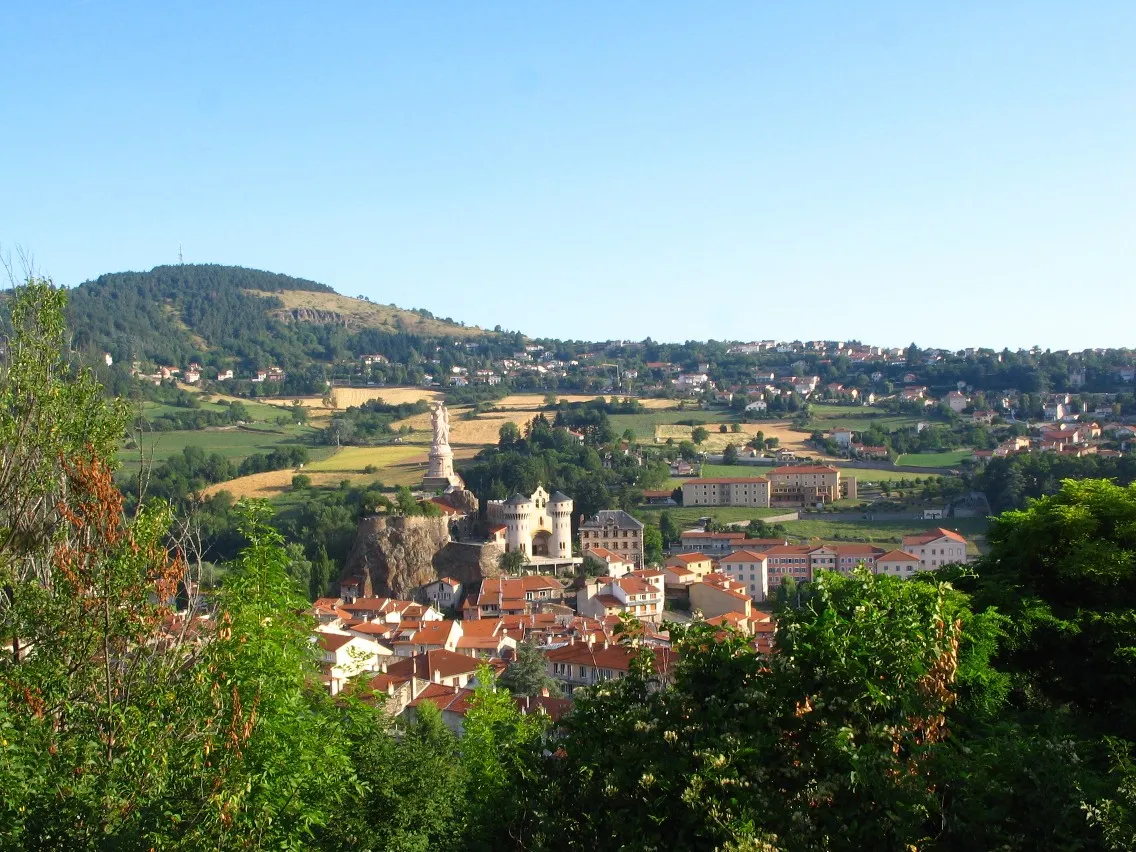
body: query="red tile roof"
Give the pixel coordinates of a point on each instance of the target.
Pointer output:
(744, 556)
(806, 468)
(687, 558)
(728, 480)
(933, 535)
(446, 663)
(898, 556)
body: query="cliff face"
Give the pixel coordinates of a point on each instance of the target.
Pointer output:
(395, 555)
(468, 562)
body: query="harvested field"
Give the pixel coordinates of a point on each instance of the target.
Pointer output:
(718, 441)
(533, 401)
(349, 397)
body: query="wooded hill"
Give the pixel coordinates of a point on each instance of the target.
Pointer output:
(219, 314)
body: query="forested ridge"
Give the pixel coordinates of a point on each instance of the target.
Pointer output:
(214, 315)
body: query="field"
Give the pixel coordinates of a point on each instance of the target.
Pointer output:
(946, 459)
(534, 401)
(231, 442)
(256, 410)
(883, 532)
(686, 517)
(857, 418)
(718, 440)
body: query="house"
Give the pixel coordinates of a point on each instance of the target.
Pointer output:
(630, 595)
(658, 497)
(842, 437)
(418, 637)
(446, 668)
(697, 541)
(750, 569)
(192, 376)
(613, 564)
(874, 452)
(957, 401)
(614, 530)
(682, 468)
(1054, 410)
(682, 569)
(691, 381)
(444, 593)
(751, 491)
(345, 655)
(224, 375)
(499, 596)
(717, 595)
(898, 563)
(584, 664)
(757, 406)
(936, 547)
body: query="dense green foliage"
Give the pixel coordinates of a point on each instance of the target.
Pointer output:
(555, 459)
(1011, 481)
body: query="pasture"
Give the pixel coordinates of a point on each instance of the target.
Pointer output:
(950, 458)
(883, 533)
(232, 442)
(857, 418)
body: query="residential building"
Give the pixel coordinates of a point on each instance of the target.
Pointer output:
(713, 543)
(694, 566)
(717, 595)
(499, 596)
(584, 664)
(957, 401)
(897, 563)
(727, 491)
(443, 593)
(842, 437)
(749, 568)
(614, 530)
(803, 485)
(345, 655)
(630, 595)
(614, 565)
(936, 547)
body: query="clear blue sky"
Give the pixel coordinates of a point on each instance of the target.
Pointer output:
(953, 173)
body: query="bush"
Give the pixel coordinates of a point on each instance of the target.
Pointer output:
(301, 481)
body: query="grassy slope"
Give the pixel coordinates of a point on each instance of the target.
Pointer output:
(361, 314)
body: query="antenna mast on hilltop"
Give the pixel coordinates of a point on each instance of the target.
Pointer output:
(181, 260)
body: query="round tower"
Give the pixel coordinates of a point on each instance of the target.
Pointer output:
(560, 514)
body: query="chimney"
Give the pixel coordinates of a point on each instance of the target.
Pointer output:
(437, 675)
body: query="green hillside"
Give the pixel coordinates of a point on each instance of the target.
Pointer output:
(228, 315)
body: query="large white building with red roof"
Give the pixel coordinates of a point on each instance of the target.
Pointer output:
(936, 547)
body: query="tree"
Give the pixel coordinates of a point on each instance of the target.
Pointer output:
(652, 545)
(1062, 571)
(508, 434)
(699, 434)
(668, 529)
(512, 562)
(528, 674)
(301, 481)
(735, 427)
(730, 454)
(723, 428)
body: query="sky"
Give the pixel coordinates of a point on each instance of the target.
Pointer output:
(954, 174)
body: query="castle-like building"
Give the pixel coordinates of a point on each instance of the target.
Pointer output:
(539, 526)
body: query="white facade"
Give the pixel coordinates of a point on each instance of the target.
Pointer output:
(539, 525)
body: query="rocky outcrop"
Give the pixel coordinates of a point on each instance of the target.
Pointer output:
(394, 555)
(314, 315)
(468, 562)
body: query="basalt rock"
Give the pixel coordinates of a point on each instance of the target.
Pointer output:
(394, 555)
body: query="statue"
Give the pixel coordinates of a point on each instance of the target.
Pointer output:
(441, 421)
(440, 475)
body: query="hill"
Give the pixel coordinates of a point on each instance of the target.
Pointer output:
(229, 315)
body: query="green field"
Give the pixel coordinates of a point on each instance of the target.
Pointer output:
(256, 410)
(951, 458)
(857, 418)
(687, 516)
(232, 443)
(867, 474)
(883, 532)
(644, 423)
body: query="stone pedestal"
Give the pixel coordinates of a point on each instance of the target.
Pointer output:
(440, 474)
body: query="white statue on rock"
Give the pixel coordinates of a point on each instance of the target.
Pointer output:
(440, 474)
